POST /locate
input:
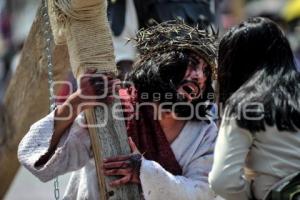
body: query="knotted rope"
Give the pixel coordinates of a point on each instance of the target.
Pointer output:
(83, 25)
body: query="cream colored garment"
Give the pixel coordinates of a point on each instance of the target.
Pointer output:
(270, 155)
(193, 149)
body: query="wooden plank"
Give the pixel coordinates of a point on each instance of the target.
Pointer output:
(109, 140)
(89, 42)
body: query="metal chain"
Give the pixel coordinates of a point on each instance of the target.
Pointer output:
(49, 39)
(48, 50)
(56, 188)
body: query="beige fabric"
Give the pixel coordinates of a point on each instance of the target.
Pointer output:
(270, 155)
(84, 26)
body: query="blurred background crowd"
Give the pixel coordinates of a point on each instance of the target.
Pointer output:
(16, 17)
(127, 16)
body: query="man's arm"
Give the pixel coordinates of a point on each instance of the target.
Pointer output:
(72, 151)
(64, 116)
(54, 145)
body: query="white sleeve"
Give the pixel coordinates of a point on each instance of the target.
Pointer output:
(227, 175)
(157, 183)
(72, 152)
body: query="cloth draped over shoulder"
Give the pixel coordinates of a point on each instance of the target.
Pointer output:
(147, 133)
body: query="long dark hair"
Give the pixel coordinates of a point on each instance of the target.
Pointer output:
(257, 71)
(162, 74)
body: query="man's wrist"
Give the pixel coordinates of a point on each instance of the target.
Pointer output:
(69, 109)
(136, 161)
(74, 102)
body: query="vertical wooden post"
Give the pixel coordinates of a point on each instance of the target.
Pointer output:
(84, 27)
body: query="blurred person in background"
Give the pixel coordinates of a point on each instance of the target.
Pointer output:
(291, 14)
(23, 14)
(128, 16)
(286, 14)
(271, 9)
(6, 48)
(231, 12)
(16, 17)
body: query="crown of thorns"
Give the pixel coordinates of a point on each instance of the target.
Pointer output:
(178, 36)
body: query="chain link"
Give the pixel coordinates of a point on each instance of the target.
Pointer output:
(48, 50)
(56, 188)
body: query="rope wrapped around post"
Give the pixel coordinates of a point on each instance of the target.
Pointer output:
(83, 26)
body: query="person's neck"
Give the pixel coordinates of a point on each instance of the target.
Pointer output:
(171, 126)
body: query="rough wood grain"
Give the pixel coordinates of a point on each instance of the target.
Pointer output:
(89, 42)
(110, 140)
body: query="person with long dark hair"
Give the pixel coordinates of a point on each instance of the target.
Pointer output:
(259, 137)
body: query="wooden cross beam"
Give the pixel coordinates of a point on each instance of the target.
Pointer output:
(27, 87)
(84, 27)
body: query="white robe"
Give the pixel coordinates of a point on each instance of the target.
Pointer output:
(193, 149)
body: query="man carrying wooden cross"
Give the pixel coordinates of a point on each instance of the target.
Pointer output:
(167, 113)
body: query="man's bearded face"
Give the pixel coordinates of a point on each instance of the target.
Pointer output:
(193, 83)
